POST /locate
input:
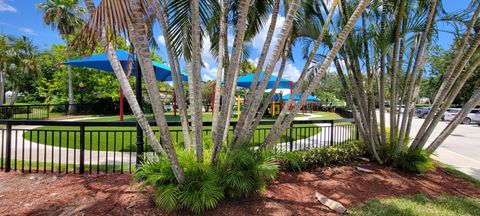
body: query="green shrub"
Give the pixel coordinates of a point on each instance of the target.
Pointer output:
(240, 174)
(244, 172)
(417, 160)
(326, 156)
(200, 191)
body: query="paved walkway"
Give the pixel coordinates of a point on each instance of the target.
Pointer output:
(320, 139)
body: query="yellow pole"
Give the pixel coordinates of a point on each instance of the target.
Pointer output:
(238, 107)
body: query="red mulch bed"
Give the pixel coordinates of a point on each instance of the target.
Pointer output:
(292, 194)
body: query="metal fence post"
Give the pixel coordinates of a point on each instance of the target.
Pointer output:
(82, 150)
(28, 112)
(8, 149)
(331, 132)
(291, 136)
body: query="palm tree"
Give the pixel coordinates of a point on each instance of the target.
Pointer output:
(4, 59)
(177, 81)
(65, 17)
(25, 63)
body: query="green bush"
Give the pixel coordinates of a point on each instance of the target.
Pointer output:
(417, 160)
(200, 191)
(318, 157)
(237, 175)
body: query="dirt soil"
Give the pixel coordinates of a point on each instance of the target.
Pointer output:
(292, 194)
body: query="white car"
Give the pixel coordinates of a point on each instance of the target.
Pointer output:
(450, 114)
(473, 116)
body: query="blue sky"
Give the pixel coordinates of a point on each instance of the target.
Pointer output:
(21, 17)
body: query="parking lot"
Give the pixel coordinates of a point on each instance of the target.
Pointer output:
(460, 150)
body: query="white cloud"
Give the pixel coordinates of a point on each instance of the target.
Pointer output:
(291, 72)
(27, 31)
(4, 7)
(258, 41)
(161, 40)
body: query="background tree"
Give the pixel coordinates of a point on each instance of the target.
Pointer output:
(65, 16)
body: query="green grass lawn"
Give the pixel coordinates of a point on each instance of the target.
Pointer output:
(421, 205)
(124, 138)
(33, 115)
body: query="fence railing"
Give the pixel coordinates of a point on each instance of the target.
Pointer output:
(94, 147)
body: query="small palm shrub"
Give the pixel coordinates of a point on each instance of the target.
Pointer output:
(417, 160)
(237, 174)
(311, 158)
(200, 191)
(244, 172)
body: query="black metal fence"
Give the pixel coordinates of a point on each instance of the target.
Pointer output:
(94, 147)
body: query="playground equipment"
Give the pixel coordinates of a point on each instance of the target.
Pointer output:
(247, 80)
(275, 106)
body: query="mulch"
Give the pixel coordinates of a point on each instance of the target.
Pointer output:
(292, 194)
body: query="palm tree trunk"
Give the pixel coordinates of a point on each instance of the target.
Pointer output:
(422, 139)
(177, 81)
(232, 68)
(280, 127)
(256, 100)
(299, 83)
(419, 60)
(250, 131)
(472, 103)
(218, 83)
(2, 83)
(231, 100)
(451, 75)
(395, 68)
(260, 64)
(14, 97)
(71, 106)
(381, 86)
(139, 39)
(196, 80)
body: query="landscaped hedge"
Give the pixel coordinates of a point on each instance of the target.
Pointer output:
(318, 157)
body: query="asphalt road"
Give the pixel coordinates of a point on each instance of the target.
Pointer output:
(460, 150)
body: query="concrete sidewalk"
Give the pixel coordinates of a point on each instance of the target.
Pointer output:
(460, 162)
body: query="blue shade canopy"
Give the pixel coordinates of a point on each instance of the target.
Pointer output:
(297, 97)
(246, 81)
(101, 62)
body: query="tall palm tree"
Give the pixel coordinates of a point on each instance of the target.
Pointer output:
(65, 16)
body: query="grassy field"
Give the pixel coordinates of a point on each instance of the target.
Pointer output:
(421, 205)
(124, 138)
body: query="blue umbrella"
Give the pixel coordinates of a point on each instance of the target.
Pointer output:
(101, 62)
(246, 81)
(297, 97)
